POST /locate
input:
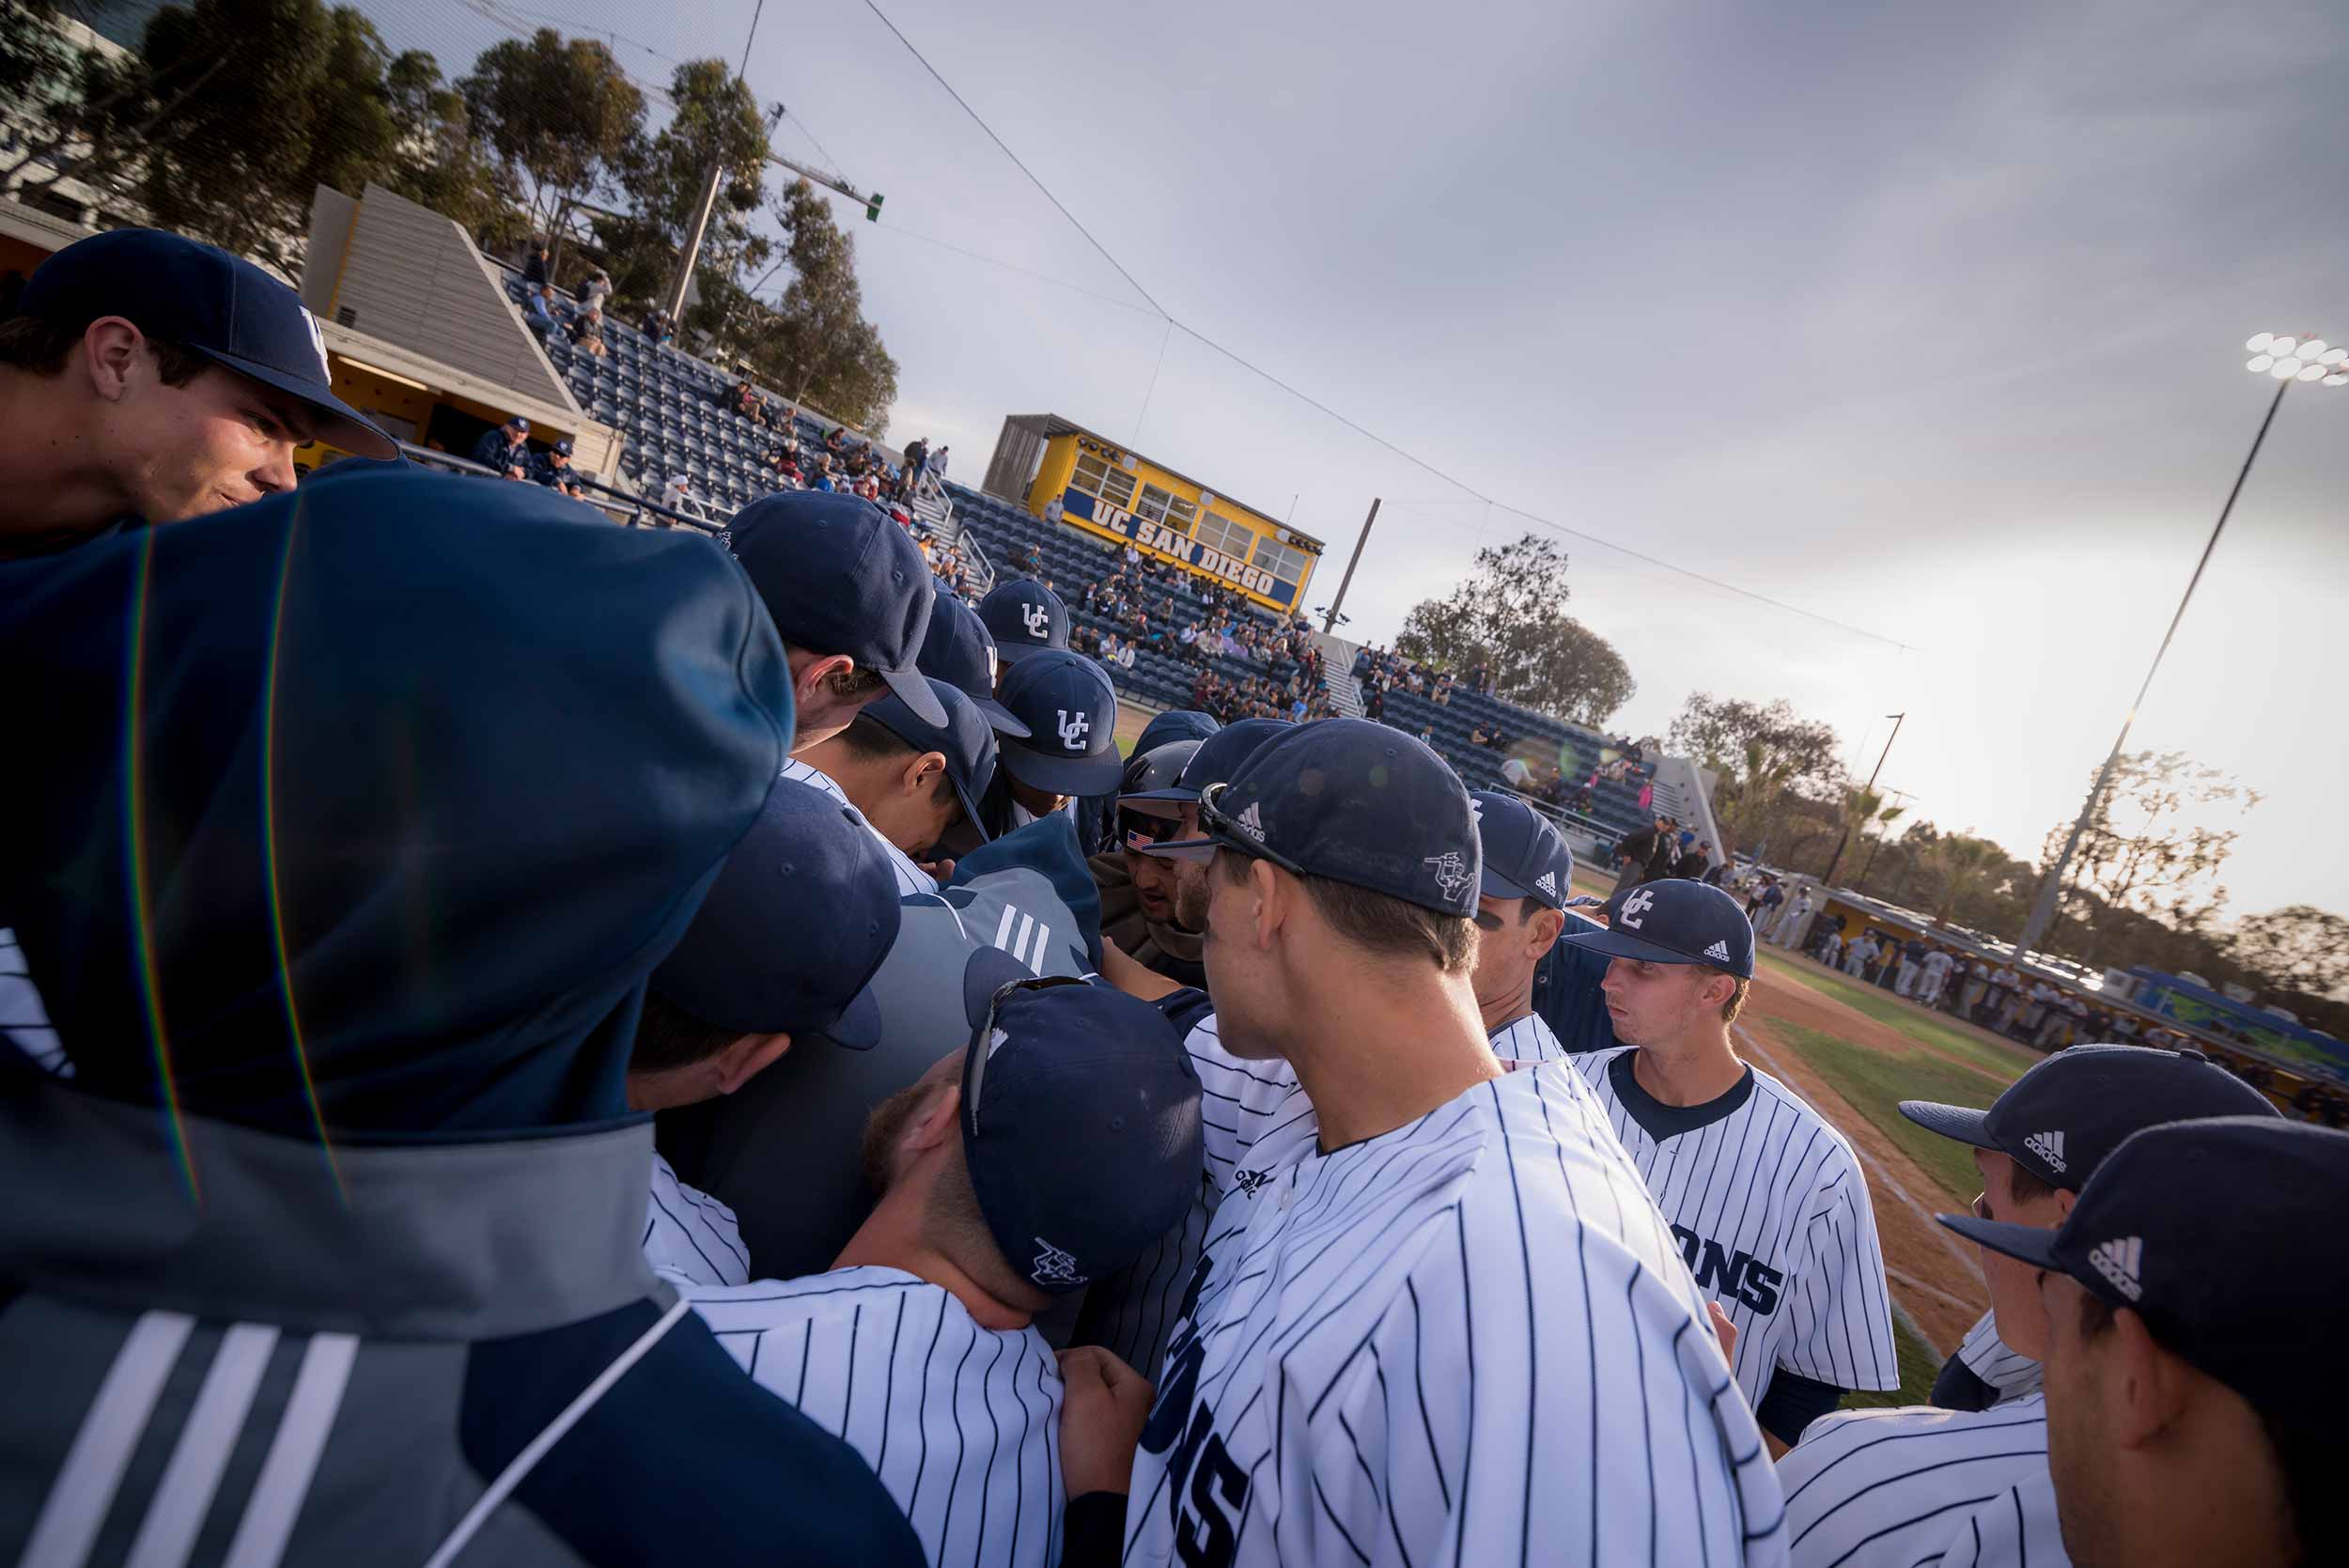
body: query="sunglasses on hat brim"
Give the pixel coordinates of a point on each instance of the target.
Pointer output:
(983, 1038)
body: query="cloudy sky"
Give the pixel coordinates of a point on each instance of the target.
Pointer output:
(1925, 319)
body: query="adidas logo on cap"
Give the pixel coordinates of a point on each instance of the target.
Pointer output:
(2119, 1262)
(1250, 823)
(2047, 1146)
(1719, 953)
(1549, 883)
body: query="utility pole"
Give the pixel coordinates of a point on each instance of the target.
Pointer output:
(1841, 844)
(1329, 622)
(709, 195)
(1877, 843)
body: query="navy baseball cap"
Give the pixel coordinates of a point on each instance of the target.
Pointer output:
(1081, 1124)
(1675, 920)
(221, 305)
(563, 447)
(839, 577)
(2060, 1120)
(1024, 617)
(1218, 759)
(1524, 855)
(1070, 709)
(519, 423)
(1175, 723)
(2247, 1289)
(802, 913)
(964, 740)
(1352, 800)
(960, 651)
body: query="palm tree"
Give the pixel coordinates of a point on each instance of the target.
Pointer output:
(1959, 860)
(1862, 808)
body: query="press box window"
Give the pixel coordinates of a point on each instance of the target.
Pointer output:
(1157, 505)
(1217, 533)
(1280, 560)
(1098, 478)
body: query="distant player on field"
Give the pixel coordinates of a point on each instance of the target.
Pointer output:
(1435, 1321)
(1766, 1200)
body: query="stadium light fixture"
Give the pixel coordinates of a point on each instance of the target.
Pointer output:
(2288, 360)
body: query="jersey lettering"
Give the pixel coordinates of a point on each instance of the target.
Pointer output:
(1730, 1272)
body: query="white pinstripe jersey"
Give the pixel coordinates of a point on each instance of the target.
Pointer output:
(2017, 1529)
(1997, 1363)
(688, 1235)
(1321, 1401)
(1889, 1487)
(961, 1423)
(1133, 1315)
(911, 877)
(24, 1020)
(1770, 1209)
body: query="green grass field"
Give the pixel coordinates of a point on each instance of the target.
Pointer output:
(1918, 1367)
(1875, 1084)
(2004, 1061)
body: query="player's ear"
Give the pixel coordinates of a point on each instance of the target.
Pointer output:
(110, 350)
(936, 1121)
(810, 684)
(922, 773)
(1269, 896)
(2144, 1387)
(1547, 926)
(747, 1057)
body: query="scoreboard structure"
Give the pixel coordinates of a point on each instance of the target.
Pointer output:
(1063, 473)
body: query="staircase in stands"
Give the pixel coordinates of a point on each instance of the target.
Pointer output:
(1345, 693)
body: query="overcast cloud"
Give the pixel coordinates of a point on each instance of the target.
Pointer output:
(1926, 317)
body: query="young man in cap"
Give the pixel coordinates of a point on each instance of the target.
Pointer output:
(1138, 890)
(753, 974)
(1048, 1150)
(851, 595)
(917, 785)
(1070, 710)
(2193, 1348)
(1520, 911)
(959, 650)
(1024, 617)
(345, 1168)
(505, 451)
(147, 379)
(1882, 1485)
(1767, 1199)
(1426, 1277)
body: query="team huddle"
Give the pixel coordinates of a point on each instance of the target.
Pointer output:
(583, 1045)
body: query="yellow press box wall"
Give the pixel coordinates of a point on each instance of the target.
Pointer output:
(1109, 492)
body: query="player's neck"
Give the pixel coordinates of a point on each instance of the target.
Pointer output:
(891, 1237)
(1690, 1068)
(59, 491)
(1379, 1052)
(1500, 1012)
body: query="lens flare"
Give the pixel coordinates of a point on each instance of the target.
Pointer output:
(142, 923)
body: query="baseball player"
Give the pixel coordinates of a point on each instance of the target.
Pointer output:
(959, 650)
(752, 974)
(1435, 1320)
(1766, 1198)
(1869, 1486)
(1936, 977)
(1048, 1153)
(849, 593)
(150, 378)
(1024, 617)
(1070, 709)
(1138, 890)
(784, 1152)
(2193, 1346)
(1984, 1370)
(336, 1253)
(1520, 911)
(916, 785)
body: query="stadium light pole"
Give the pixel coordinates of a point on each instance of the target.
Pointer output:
(2289, 361)
(709, 194)
(1827, 880)
(1329, 622)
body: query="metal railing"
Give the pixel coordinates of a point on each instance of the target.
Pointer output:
(620, 505)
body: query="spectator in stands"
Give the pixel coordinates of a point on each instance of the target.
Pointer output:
(539, 312)
(656, 326)
(938, 464)
(598, 289)
(554, 466)
(823, 480)
(505, 451)
(587, 332)
(1695, 863)
(674, 493)
(108, 420)
(1665, 857)
(536, 268)
(917, 453)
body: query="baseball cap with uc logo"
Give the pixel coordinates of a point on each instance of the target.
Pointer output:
(217, 305)
(1674, 921)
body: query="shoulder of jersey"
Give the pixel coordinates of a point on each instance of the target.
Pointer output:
(1852, 1453)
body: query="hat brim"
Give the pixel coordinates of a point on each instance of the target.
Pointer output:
(1958, 1122)
(987, 969)
(970, 817)
(1000, 719)
(2029, 1243)
(1494, 885)
(859, 1025)
(913, 688)
(1181, 850)
(1012, 653)
(1622, 944)
(1173, 794)
(1079, 776)
(344, 426)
